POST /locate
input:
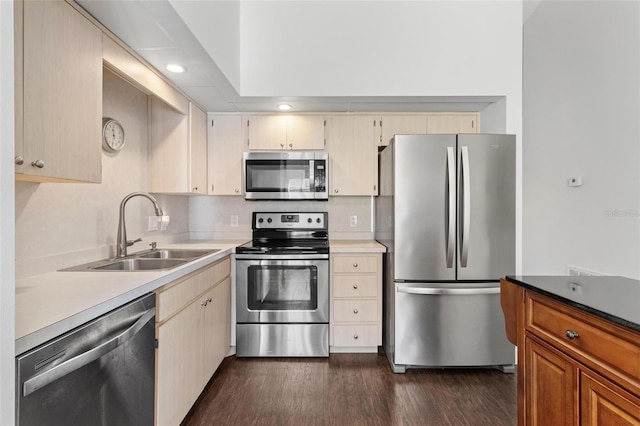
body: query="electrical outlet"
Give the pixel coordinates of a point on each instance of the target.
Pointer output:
(354, 221)
(154, 223)
(234, 220)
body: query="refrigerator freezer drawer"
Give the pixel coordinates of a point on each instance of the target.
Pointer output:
(450, 326)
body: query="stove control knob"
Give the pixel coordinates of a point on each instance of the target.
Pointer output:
(269, 220)
(318, 220)
(309, 220)
(260, 220)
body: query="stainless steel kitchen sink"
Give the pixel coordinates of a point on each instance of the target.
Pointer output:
(149, 260)
(175, 253)
(140, 264)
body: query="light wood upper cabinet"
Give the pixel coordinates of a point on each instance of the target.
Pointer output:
(198, 150)
(225, 144)
(305, 132)
(452, 123)
(353, 155)
(391, 125)
(177, 154)
(58, 94)
(284, 132)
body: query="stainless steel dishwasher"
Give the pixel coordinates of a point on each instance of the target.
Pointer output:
(101, 373)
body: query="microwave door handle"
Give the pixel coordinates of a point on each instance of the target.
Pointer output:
(450, 207)
(465, 206)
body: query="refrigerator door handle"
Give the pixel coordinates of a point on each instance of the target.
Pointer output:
(465, 205)
(448, 291)
(450, 205)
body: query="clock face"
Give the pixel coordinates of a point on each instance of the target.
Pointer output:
(112, 135)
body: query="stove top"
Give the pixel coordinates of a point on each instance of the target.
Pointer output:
(288, 233)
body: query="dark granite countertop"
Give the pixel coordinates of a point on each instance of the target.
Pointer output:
(616, 299)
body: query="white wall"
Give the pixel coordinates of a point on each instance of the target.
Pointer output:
(379, 48)
(209, 217)
(60, 225)
(581, 118)
(7, 285)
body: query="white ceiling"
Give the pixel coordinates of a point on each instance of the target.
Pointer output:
(156, 32)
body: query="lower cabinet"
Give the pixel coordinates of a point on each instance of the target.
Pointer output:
(193, 326)
(356, 302)
(574, 368)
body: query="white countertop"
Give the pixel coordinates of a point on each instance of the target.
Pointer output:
(356, 246)
(51, 304)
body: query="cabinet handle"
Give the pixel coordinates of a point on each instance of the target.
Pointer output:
(38, 163)
(355, 265)
(195, 189)
(335, 190)
(355, 286)
(355, 311)
(237, 190)
(206, 302)
(355, 336)
(571, 334)
(290, 145)
(18, 160)
(281, 145)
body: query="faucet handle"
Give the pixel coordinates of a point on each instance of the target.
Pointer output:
(132, 242)
(153, 245)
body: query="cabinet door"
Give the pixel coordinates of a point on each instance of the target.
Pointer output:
(267, 132)
(217, 337)
(225, 154)
(168, 149)
(198, 152)
(550, 380)
(401, 125)
(353, 153)
(61, 94)
(180, 350)
(454, 123)
(305, 132)
(603, 403)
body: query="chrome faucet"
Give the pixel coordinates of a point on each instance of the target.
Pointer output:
(123, 243)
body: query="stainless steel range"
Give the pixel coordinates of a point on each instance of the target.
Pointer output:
(282, 283)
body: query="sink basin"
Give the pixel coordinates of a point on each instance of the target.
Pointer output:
(139, 265)
(175, 254)
(150, 260)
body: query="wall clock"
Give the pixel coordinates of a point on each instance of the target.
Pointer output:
(112, 135)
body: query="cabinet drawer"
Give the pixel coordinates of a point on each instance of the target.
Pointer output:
(357, 264)
(354, 310)
(355, 335)
(174, 296)
(603, 346)
(355, 286)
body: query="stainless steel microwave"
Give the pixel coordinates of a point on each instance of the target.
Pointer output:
(286, 175)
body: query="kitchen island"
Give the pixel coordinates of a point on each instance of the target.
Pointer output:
(578, 344)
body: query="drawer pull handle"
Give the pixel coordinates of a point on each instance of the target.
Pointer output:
(571, 334)
(355, 311)
(355, 265)
(355, 286)
(355, 337)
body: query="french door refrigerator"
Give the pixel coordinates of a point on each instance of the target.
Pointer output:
(446, 213)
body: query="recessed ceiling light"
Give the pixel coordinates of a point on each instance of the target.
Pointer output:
(284, 107)
(175, 68)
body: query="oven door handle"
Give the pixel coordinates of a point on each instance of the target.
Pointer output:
(69, 366)
(280, 259)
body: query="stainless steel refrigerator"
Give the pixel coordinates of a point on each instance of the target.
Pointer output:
(446, 213)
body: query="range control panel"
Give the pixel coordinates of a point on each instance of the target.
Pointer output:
(280, 220)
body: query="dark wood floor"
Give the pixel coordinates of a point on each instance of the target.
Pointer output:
(351, 389)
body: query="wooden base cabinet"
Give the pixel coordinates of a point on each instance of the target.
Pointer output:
(193, 326)
(356, 302)
(574, 368)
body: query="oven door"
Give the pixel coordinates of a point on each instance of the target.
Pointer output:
(282, 290)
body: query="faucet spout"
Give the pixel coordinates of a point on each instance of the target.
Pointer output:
(123, 243)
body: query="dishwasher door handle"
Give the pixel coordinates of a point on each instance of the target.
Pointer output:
(449, 291)
(69, 366)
